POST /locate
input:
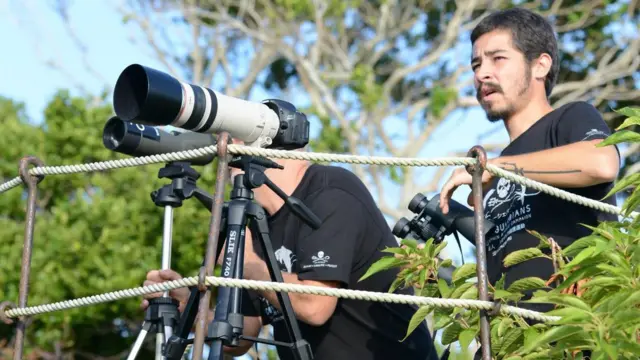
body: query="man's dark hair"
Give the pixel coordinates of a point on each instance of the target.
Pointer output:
(532, 35)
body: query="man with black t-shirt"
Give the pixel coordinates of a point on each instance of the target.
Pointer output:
(515, 65)
(349, 241)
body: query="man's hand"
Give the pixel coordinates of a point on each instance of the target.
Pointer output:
(160, 276)
(249, 254)
(459, 177)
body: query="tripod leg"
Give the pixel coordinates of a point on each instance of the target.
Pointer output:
(146, 326)
(159, 343)
(301, 348)
(228, 322)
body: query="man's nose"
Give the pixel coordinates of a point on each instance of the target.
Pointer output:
(483, 73)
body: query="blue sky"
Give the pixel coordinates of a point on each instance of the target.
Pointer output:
(33, 35)
(38, 36)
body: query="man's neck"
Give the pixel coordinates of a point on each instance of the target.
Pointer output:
(521, 121)
(287, 182)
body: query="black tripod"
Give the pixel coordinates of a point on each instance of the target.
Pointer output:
(162, 313)
(227, 326)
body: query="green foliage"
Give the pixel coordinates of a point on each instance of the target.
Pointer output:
(94, 232)
(596, 294)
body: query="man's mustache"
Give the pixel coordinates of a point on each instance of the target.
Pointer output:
(487, 87)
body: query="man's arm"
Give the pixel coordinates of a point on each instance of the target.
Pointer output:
(574, 165)
(312, 309)
(575, 162)
(324, 256)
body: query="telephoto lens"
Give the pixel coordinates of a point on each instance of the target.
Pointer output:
(147, 96)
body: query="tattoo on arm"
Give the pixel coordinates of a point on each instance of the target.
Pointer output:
(521, 171)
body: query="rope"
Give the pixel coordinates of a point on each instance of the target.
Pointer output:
(318, 157)
(262, 285)
(275, 286)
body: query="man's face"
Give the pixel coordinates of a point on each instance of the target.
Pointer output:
(501, 75)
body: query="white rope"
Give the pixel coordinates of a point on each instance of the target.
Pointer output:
(274, 286)
(318, 157)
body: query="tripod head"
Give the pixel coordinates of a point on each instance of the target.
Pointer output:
(254, 177)
(183, 186)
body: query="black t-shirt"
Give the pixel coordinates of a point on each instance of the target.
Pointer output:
(514, 208)
(350, 239)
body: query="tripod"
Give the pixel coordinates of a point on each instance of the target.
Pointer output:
(162, 313)
(227, 326)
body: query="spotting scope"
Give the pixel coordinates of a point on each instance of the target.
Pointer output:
(147, 96)
(134, 139)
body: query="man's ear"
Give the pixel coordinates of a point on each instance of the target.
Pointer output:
(542, 66)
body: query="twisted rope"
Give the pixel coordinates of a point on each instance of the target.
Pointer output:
(274, 286)
(318, 157)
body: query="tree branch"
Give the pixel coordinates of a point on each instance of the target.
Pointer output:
(450, 35)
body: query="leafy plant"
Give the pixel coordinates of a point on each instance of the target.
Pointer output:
(596, 294)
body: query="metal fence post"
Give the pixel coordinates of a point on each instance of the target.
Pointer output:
(212, 245)
(476, 172)
(32, 184)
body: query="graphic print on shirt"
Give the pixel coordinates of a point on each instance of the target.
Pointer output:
(506, 205)
(286, 260)
(320, 260)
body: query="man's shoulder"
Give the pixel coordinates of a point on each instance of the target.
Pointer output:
(335, 178)
(576, 110)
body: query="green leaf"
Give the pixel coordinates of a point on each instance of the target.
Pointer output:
(438, 249)
(429, 290)
(621, 136)
(559, 299)
(569, 315)
(520, 256)
(511, 341)
(460, 290)
(464, 272)
(417, 319)
(632, 179)
(528, 283)
(467, 336)
(605, 281)
(451, 332)
(446, 263)
(395, 250)
(504, 325)
(632, 203)
(383, 264)
(471, 293)
(629, 111)
(581, 244)
(444, 288)
(633, 120)
(410, 243)
(502, 294)
(553, 335)
(581, 257)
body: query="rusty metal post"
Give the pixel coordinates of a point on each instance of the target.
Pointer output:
(32, 184)
(212, 246)
(476, 172)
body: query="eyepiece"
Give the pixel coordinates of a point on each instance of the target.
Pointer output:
(417, 204)
(114, 133)
(401, 229)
